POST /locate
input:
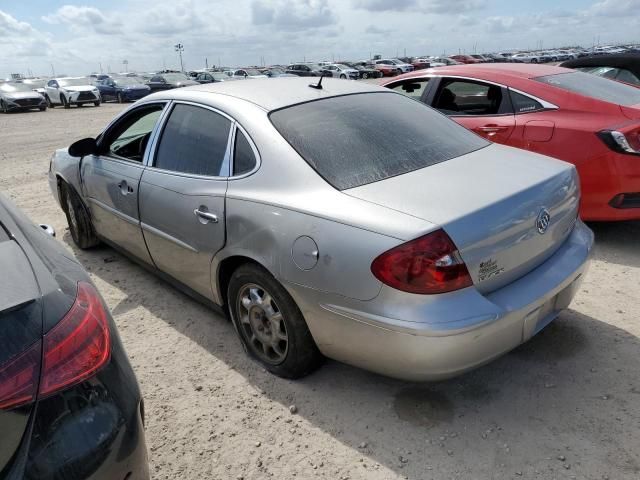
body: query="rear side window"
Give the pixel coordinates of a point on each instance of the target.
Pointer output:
(358, 139)
(194, 140)
(595, 87)
(243, 158)
(461, 97)
(523, 104)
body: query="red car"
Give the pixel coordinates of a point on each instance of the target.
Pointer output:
(467, 59)
(590, 121)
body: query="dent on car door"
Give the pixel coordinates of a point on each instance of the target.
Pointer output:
(182, 194)
(110, 181)
(481, 107)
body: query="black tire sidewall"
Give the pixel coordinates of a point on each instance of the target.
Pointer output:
(303, 355)
(84, 237)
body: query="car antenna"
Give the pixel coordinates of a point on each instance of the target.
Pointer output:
(318, 86)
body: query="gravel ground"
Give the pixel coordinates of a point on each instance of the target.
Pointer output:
(564, 405)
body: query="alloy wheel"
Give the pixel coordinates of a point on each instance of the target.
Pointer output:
(262, 324)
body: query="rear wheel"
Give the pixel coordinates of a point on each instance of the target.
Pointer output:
(365, 75)
(78, 218)
(534, 60)
(270, 324)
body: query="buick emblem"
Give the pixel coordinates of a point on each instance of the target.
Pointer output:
(543, 220)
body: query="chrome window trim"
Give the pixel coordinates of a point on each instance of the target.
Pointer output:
(114, 212)
(148, 228)
(153, 150)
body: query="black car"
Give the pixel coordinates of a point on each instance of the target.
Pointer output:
(166, 81)
(303, 70)
(70, 406)
(122, 89)
(624, 67)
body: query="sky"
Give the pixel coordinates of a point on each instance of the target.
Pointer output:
(42, 37)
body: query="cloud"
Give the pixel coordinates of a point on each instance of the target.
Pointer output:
(615, 8)
(385, 5)
(174, 19)
(373, 30)
(292, 15)
(79, 18)
(19, 40)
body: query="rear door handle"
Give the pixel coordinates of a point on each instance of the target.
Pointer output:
(493, 128)
(205, 215)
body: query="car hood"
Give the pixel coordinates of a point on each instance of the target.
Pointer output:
(138, 86)
(80, 88)
(19, 95)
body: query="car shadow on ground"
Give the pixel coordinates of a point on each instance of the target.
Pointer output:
(617, 242)
(580, 373)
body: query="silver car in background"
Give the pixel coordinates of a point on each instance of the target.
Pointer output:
(343, 220)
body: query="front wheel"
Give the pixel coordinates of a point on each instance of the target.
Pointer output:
(3, 107)
(343, 76)
(96, 104)
(270, 324)
(49, 102)
(65, 102)
(120, 100)
(534, 60)
(78, 218)
(43, 108)
(365, 75)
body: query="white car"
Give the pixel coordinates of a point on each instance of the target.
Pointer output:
(526, 58)
(71, 91)
(247, 73)
(342, 71)
(400, 65)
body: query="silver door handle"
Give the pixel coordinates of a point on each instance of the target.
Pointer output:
(212, 217)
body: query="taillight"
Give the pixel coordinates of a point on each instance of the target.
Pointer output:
(72, 351)
(427, 265)
(77, 346)
(19, 378)
(623, 140)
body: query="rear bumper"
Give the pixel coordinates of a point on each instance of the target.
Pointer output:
(416, 338)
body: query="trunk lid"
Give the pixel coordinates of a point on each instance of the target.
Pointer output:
(489, 202)
(20, 329)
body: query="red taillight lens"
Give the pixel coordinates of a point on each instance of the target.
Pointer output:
(19, 378)
(77, 346)
(73, 351)
(426, 265)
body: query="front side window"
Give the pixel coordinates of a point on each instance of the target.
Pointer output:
(243, 158)
(129, 137)
(194, 140)
(595, 87)
(353, 140)
(413, 88)
(462, 97)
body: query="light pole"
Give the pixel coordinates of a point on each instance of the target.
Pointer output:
(180, 48)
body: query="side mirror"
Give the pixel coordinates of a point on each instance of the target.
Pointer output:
(84, 147)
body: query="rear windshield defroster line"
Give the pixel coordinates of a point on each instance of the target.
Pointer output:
(356, 139)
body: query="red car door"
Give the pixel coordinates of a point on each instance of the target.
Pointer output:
(482, 107)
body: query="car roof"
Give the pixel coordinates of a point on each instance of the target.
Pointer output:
(628, 60)
(274, 93)
(513, 70)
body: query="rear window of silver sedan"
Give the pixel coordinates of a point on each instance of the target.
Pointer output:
(353, 140)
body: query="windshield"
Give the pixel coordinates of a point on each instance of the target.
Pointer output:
(219, 75)
(594, 86)
(342, 66)
(35, 83)
(175, 77)
(75, 82)
(252, 71)
(353, 140)
(15, 87)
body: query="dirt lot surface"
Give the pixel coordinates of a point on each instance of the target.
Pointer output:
(565, 405)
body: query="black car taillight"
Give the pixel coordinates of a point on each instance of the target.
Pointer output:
(72, 351)
(622, 141)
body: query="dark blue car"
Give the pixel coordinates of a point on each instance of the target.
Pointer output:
(122, 89)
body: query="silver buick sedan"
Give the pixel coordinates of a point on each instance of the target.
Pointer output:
(342, 220)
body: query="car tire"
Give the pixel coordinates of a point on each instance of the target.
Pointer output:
(120, 99)
(42, 109)
(96, 104)
(49, 102)
(3, 107)
(534, 60)
(78, 219)
(343, 76)
(65, 102)
(270, 325)
(365, 75)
